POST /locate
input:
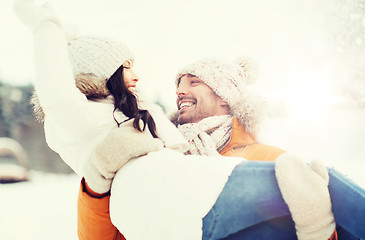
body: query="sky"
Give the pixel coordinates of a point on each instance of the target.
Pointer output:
(291, 41)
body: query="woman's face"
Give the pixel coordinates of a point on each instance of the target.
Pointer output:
(130, 78)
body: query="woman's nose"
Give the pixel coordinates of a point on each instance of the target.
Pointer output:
(135, 78)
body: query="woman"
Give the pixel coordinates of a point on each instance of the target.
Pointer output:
(76, 124)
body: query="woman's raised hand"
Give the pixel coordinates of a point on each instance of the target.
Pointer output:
(34, 15)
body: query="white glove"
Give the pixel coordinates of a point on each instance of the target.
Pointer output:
(33, 15)
(305, 190)
(165, 130)
(119, 146)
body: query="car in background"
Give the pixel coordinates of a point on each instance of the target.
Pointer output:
(14, 163)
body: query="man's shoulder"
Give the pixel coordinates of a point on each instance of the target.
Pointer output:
(267, 147)
(256, 152)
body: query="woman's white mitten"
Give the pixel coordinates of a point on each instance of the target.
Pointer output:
(33, 15)
(119, 146)
(305, 190)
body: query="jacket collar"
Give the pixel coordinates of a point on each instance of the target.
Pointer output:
(239, 137)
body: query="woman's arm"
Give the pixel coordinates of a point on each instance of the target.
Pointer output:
(62, 103)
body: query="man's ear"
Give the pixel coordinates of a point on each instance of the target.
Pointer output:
(223, 103)
(225, 108)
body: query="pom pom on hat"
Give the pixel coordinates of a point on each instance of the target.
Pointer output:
(97, 56)
(250, 69)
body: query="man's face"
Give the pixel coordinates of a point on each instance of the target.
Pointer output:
(196, 101)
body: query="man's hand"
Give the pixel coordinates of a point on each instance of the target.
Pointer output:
(305, 190)
(121, 145)
(33, 15)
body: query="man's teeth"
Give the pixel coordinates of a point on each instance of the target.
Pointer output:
(186, 104)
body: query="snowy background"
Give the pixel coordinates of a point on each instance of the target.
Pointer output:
(311, 56)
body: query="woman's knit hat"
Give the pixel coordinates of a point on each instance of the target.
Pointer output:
(94, 60)
(230, 81)
(97, 56)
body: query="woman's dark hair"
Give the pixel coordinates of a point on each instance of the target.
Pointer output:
(126, 102)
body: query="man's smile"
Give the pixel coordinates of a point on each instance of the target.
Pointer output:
(185, 103)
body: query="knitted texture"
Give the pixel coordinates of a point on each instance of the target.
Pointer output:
(93, 55)
(230, 82)
(208, 136)
(305, 190)
(97, 56)
(118, 147)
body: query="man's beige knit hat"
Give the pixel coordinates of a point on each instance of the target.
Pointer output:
(230, 81)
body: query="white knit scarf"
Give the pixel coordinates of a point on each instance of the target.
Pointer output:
(208, 136)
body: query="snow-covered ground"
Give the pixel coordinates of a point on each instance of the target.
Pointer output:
(45, 207)
(42, 208)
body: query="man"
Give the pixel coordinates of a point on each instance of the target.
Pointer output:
(211, 88)
(217, 113)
